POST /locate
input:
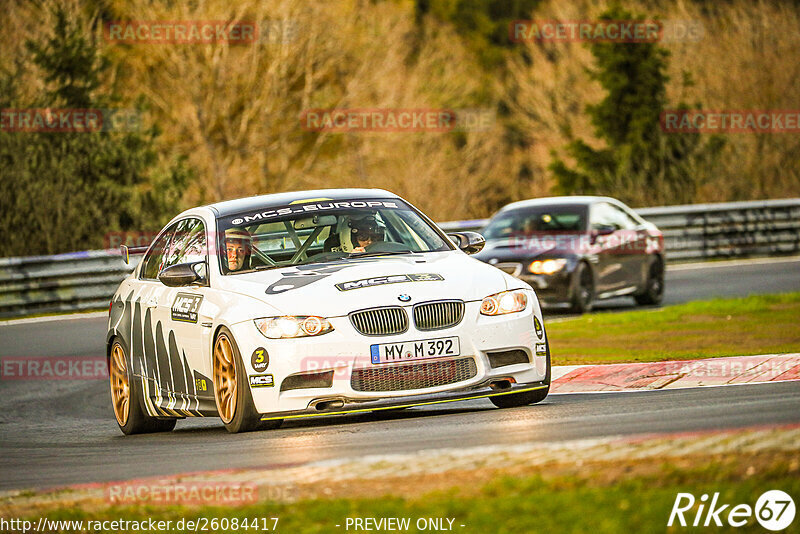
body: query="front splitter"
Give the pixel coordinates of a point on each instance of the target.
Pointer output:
(405, 402)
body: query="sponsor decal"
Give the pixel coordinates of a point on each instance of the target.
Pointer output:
(393, 279)
(261, 381)
(307, 274)
(185, 307)
(201, 383)
(260, 359)
(541, 349)
(319, 207)
(537, 326)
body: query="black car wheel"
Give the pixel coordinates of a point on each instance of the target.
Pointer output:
(654, 288)
(583, 294)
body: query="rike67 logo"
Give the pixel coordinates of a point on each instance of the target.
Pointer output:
(774, 510)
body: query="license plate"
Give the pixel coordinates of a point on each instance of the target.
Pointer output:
(415, 350)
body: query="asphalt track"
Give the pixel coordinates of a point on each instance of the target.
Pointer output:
(55, 433)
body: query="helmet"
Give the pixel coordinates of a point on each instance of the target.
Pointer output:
(367, 227)
(239, 234)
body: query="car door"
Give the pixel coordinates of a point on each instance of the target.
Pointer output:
(635, 247)
(182, 330)
(149, 356)
(611, 265)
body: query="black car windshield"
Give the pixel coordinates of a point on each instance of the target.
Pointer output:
(321, 230)
(539, 219)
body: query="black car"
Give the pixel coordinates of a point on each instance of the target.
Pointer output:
(577, 250)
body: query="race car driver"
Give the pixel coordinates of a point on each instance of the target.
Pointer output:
(238, 243)
(364, 232)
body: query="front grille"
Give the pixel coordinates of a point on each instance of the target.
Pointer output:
(413, 376)
(507, 357)
(438, 315)
(380, 321)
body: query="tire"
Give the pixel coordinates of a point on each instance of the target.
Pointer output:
(654, 287)
(515, 400)
(583, 294)
(231, 389)
(127, 397)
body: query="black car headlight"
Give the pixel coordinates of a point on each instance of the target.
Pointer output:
(551, 266)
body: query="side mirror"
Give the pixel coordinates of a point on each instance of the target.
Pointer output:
(183, 274)
(602, 229)
(469, 242)
(127, 251)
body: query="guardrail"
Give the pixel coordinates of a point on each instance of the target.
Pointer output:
(64, 282)
(86, 280)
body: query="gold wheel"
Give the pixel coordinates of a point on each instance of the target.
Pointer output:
(120, 387)
(225, 378)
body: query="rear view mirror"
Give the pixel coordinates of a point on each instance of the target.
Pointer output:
(469, 242)
(315, 221)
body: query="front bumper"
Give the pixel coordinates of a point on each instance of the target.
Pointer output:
(344, 351)
(405, 402)
(553, 288)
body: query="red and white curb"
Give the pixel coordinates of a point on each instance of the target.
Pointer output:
(676, 374)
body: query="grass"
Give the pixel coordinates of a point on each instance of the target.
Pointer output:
(627, 496)
(765, 324)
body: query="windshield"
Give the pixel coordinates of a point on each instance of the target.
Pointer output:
(320, 231)
(544, 219)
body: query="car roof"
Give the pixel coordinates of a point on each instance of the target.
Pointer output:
(558, 201)
(239, 205)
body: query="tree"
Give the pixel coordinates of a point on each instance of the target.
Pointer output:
(484, 24)
(639, 163)
(64, 191)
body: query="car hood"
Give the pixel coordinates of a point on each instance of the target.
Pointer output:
(336, 289)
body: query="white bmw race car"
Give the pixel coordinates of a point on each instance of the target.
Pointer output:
(316, 303)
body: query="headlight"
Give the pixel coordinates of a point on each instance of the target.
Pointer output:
(293, 326)
(505, 302)
(547, 266)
